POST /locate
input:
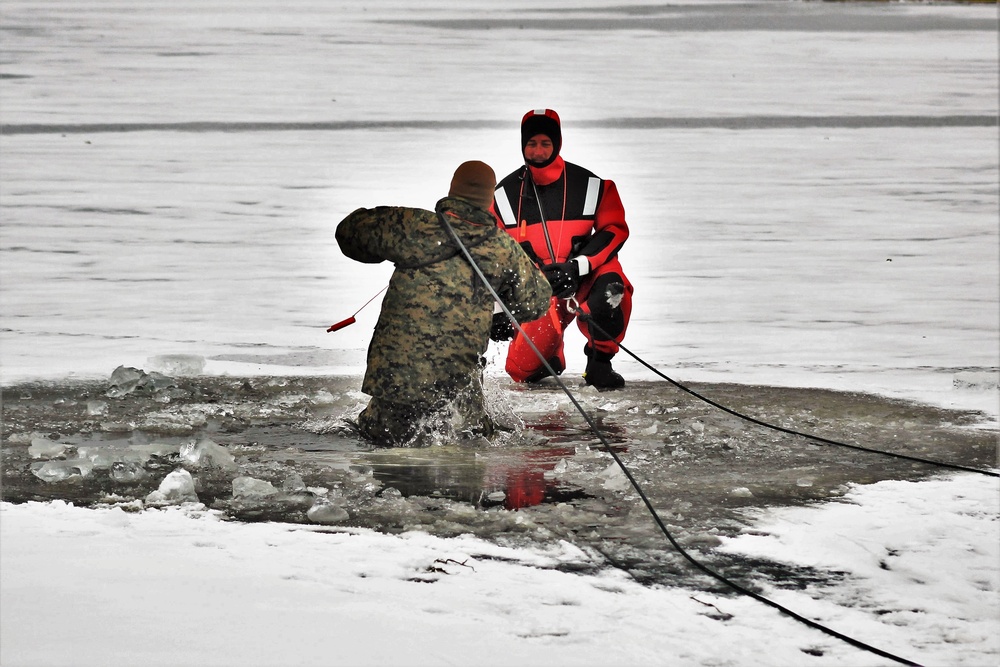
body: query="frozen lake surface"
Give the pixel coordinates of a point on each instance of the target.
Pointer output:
(812, 191)
(819, 211)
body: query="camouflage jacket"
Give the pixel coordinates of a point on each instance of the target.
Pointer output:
(436, 315)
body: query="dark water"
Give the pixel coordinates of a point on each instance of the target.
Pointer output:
(549, 479)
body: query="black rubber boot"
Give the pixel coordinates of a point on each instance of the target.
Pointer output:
(543, 372)
(599, 373)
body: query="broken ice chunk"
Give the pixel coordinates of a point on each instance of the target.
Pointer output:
(96, 408)
(702, 540)
(324, 512)
(125, 380)
(58, 471)
(294, 484)
(176, 488)
(249, 488)
(45, 448)
(208, 453)
(127, 471)
(614, 479)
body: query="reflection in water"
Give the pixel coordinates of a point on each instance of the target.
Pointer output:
(515, 478)
(508, 476)
(487, 476)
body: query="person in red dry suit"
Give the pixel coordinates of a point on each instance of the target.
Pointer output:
(572, 223)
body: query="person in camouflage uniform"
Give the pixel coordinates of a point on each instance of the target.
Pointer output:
(425, 360)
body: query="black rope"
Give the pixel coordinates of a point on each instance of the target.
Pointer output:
(586, 317)
(649, 506)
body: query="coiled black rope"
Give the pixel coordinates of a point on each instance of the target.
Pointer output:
(635, 484)
(586, 317)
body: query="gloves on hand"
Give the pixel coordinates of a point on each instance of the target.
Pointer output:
(501, 329)
(563, 277)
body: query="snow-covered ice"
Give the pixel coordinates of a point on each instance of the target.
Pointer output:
(916, 564)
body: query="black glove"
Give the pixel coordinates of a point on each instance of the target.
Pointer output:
(501, 329)
(564, 278)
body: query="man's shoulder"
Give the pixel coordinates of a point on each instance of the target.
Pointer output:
(515, 176)
(409, 211)
(575, 170)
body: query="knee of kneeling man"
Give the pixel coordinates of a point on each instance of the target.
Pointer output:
(606, 299)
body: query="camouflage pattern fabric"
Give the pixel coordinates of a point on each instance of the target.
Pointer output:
(434, 326)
